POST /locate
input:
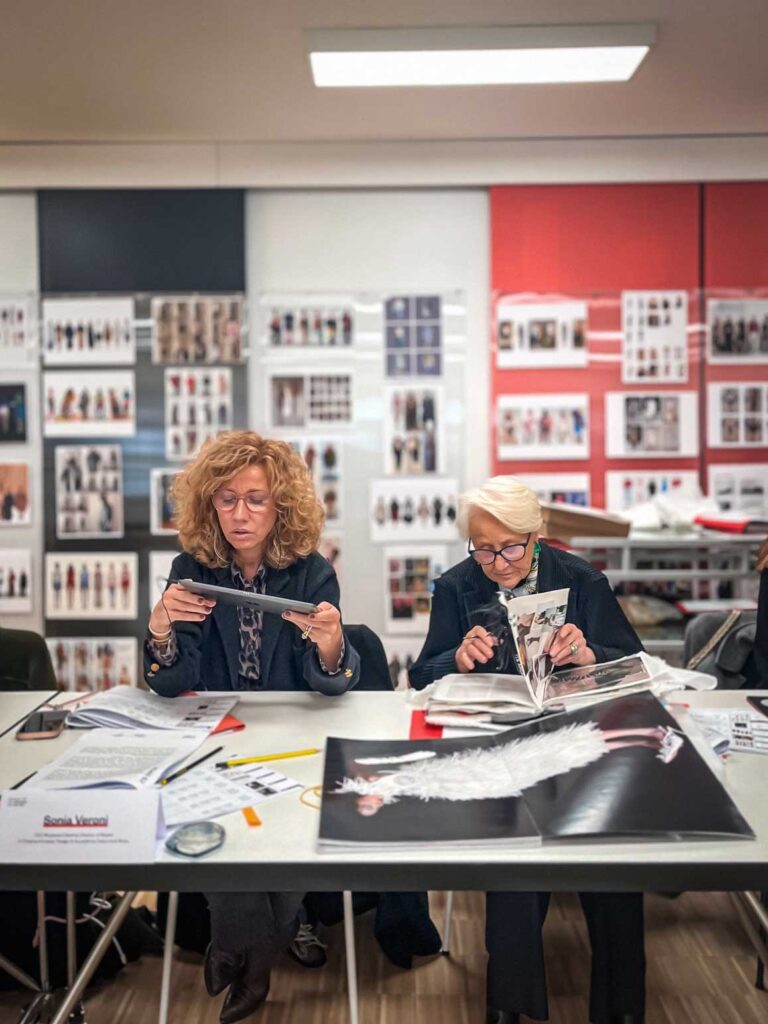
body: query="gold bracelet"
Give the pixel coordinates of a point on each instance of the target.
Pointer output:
(160, 638)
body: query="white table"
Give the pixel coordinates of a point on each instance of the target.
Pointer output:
(282, 853)
(17, 704)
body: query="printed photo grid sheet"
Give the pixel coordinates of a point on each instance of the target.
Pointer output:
(210, 792)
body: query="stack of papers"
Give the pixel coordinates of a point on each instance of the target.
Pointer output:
(733, 729)
(118, 759)
(126, 707)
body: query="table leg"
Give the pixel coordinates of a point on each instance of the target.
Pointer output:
(17, 973)
(445, 949)
(349, 944)
(93, 959)
(170, 938)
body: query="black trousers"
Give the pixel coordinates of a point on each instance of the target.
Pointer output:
(261, 922)
(516, 979)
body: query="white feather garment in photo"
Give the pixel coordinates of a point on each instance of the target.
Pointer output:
(487, 774)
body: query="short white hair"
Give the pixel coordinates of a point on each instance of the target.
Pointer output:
(505, 498)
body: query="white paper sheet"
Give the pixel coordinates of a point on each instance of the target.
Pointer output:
(118, 758)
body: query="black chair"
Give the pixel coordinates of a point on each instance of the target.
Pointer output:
(374, 667)
(25, 663)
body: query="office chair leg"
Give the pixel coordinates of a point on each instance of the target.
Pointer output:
(349, 945)
(445, 949)
(170, 938)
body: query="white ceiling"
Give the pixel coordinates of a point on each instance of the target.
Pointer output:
(236, 71)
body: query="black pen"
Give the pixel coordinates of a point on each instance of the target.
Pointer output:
(26, 778)
(181, 771)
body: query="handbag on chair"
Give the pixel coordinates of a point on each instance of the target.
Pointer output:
(721, 644)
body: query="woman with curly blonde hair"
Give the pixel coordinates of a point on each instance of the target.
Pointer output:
(248, 519)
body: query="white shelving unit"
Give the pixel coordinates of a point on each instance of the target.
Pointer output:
(686, 565)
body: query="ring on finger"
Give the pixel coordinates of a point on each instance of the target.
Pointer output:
(574, 647)
(307, 634)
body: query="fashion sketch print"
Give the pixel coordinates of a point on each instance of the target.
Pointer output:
(622, 767)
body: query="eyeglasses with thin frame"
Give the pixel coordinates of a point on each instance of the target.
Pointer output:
(227, 501)
(510, 552)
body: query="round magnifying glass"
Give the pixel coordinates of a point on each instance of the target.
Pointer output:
(196, 839)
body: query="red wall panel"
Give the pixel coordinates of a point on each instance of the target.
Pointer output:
(736, 265)
(591, 242)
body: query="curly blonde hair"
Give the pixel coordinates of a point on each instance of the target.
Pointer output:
(300, 516)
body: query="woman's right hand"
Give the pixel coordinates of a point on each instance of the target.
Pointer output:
(477, 646)
(179, 604)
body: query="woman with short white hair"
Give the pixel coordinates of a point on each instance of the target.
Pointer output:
(502, 522)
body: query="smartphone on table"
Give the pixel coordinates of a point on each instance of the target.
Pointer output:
(42, 725)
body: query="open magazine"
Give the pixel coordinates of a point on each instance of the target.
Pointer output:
(618, 768)
(488, 698)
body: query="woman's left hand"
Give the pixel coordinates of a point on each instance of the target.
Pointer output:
(323, 628)
(570, 647)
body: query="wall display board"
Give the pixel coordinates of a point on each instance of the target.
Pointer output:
(310, 400)
(648, 424)
(331, 547)
(159, 573)
(309, 325)
(161, 501)
(13, 411)
(18, 330)
(413, 508)
(409, 572)
(89, 491)
(323, 457)
(737, 414)
(551, 334)
(198, 405)
(626, 488)
(88, 331)
(569, 488)
(89, 403)
(15, 506)
(413, 430)
(742, 487)
(91, 585)
(198, 329)
(15, 581)
(737, 331)
(654, 337)
(542, 426)
(90, 664)
(413, 336)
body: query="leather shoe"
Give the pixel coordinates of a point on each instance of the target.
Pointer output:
(221, 969)
(501, 1016)
(245, 996)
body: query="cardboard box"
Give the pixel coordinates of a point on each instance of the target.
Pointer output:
(562, 522)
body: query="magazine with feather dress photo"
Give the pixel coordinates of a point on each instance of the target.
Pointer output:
(619, 768)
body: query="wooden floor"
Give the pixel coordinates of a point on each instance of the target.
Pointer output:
(701, 969)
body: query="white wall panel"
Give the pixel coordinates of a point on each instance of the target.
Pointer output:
(388, 243)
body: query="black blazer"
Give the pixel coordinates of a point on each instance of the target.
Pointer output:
(209, 651)
(464, 590)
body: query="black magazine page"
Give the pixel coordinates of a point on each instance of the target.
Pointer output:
(370, 787)
(625, 768)
(617, 768)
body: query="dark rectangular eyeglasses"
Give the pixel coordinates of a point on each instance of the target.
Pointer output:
(510, 553)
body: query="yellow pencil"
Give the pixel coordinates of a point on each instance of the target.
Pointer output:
(267, 757)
